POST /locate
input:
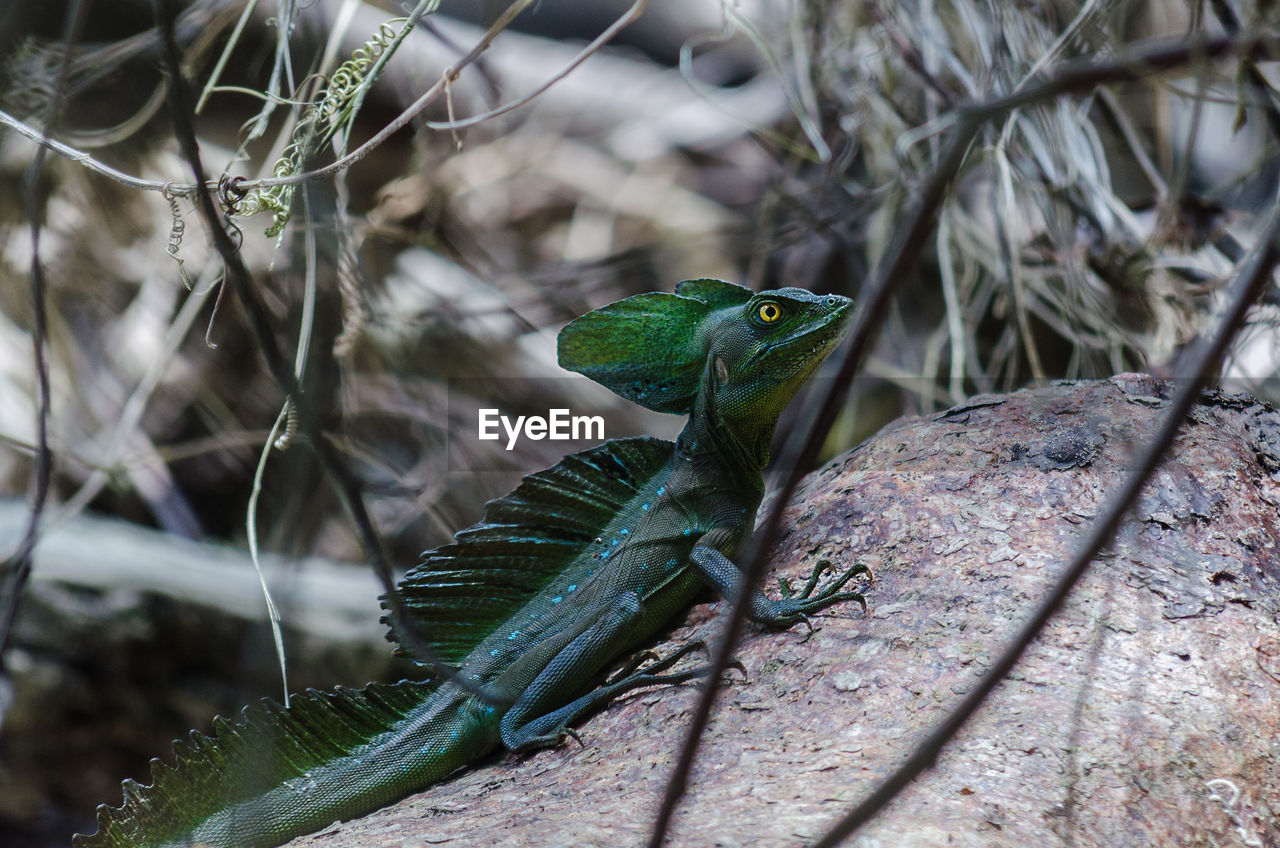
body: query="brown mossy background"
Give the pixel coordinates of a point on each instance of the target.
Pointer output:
(772, 145)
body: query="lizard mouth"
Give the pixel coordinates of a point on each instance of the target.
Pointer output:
(817, 340)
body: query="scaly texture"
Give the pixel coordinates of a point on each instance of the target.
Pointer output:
(578, 566)
(467, 589)
(270, 748)
(1160, 676)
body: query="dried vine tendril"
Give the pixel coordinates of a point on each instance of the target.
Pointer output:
(285, 440)
(177, 229)
(355, 311)
(231, 195)
(321, 122)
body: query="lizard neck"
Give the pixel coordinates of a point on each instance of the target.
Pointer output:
(719, 449)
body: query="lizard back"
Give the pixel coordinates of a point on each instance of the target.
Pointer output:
(465, 591)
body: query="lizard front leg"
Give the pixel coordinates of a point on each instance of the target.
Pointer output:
(540, 717)
(726, 578)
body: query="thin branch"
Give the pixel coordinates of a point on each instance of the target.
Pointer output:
(1252, 279)
(1139, 61)
(798, 455)
(17, 568)
(432, 94)
(625, 19)
(1253, 78)
(402, 120)
(251, 539)
(219, 66)
(239, 279)
(80, 157)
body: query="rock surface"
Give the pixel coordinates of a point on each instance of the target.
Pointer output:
(1146, 714)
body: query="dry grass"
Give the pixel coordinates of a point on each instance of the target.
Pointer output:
(1077, 243)
(1083, 238)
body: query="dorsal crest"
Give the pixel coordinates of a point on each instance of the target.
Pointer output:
(463, 591)
(649, 348)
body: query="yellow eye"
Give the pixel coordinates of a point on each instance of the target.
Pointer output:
(769, 312)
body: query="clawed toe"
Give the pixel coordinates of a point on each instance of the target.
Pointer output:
(632, 666)
(638, 673)
(793, 609)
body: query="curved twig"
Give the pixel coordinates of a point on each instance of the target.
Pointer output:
(400, 122)
(1252, 279)
(625, 19)
(1139, 61)
(16, 570)
(239, 279)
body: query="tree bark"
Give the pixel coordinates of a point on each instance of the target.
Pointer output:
(1145, 715)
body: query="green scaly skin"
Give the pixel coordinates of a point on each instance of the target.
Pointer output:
(580, 565)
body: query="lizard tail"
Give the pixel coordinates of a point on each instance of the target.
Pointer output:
(279, 773)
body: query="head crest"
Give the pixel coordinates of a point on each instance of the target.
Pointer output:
(649, 348)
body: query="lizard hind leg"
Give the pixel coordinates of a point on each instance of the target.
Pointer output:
(540, 717)
(635, 675)
(720, 572)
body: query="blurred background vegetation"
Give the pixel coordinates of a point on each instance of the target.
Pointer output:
(770, 142)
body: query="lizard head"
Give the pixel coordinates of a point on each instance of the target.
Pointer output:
(741, 356)
(762, 352)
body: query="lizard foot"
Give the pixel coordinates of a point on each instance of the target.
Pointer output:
(636, 667)
(553, 738)
(801, 605)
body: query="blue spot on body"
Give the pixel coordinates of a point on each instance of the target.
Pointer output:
(645, 506)
(494, 652)
(688, 531)
(672, 563)
(514, 634)
(557, 599)
(624, 532)
(614, 543)
(604, 555)
(661, 489)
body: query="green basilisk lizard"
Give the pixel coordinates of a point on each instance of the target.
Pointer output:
(581, 564)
